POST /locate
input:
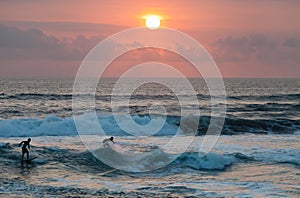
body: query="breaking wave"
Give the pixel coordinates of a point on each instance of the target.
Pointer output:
(188, 160)
(58, 126)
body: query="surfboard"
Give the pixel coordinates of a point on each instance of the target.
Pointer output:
(29, 160)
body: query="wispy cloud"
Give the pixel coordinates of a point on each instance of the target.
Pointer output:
(23, 47)
(257, 47)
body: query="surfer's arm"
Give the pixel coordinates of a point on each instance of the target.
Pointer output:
(28, 146)
(21, 143)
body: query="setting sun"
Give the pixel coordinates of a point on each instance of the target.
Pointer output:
(152, 22)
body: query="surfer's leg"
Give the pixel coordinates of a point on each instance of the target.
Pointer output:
(23, 153)
(24, 150)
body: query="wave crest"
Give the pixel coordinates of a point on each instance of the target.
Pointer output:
(58, 126)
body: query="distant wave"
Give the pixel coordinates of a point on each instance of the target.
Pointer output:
(24, 96)
(277, 97)
(58, 126)
(265, 107)
(37, 96)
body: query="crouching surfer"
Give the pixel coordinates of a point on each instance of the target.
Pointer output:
(111, 139)
(26, 144)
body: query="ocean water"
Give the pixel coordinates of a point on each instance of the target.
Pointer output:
(239, 166)
(44, 107)
(258, 154)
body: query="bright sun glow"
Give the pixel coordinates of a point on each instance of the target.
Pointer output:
(152, 22)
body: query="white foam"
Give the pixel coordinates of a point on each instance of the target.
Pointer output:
(158, 158)
(210, 161)
(57, 126)
(130, 161)
(51, 125)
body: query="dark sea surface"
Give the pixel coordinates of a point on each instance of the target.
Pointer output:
(42, 106)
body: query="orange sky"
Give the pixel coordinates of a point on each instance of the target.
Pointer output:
(250, 38)
(249, 14)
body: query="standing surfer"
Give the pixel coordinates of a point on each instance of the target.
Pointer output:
(26, 144)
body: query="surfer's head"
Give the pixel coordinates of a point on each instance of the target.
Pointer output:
(111, 138)
(29, 139)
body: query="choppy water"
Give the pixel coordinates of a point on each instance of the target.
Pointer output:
(44, 107)
(261, 160)
(239, 166)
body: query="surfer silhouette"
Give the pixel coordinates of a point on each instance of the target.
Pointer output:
(26, 144)
(109, 139)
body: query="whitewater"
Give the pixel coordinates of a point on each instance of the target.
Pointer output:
(257, 155)
(44, 107)
(238, 166)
